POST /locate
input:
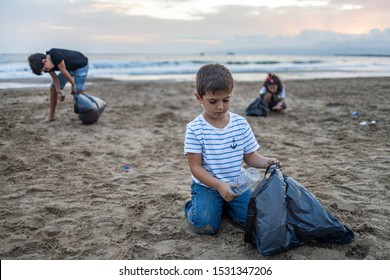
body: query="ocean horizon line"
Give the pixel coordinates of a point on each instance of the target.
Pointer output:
(166, 78)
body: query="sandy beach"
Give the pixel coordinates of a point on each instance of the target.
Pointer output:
(65, 193)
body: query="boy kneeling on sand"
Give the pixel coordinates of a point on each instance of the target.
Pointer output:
(216, 144)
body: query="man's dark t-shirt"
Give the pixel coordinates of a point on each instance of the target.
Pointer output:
(73, 59)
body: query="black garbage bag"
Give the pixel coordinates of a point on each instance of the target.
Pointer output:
(88, 107)
(257, 108)
(282, 214)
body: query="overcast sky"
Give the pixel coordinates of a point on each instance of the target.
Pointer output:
(193, 26)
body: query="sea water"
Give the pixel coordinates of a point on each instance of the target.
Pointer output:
(183, 67)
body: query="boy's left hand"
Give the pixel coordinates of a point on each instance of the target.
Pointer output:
(227, 194)
(73, 89)
(272, 161)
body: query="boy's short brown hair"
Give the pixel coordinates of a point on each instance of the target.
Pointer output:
(36, 64)
(212, 78)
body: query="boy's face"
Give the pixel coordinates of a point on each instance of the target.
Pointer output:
(215, 105)
(47, 65)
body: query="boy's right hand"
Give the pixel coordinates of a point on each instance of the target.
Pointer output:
(225, 191)
(61, 95)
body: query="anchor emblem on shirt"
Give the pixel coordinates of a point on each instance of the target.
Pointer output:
(234, 144)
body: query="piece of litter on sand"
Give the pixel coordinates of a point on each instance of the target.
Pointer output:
(126, 168)
(364, 123)
(355, 113)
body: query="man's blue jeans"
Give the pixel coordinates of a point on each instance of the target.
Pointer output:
(79, 76)
(204, 212)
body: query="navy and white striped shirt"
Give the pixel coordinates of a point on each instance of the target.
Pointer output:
(222, 149)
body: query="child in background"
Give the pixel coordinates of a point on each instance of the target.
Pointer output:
(73, 67)
(217, 142)
(273, 93)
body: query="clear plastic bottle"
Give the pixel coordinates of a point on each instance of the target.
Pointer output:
(248, 178)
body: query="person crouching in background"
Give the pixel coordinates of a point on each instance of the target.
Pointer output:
(273, 93)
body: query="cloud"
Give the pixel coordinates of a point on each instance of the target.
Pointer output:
(50, 25)
(193, 25)
(190, 9)
(314, 42)
(199, 41)
(122, 39)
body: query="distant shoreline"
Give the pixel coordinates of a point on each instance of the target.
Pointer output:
(364, 55)
(173, 78)
(24, 54)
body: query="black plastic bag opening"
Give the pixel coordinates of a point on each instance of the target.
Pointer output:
(257, 108)
(88, 107)
(282, 214)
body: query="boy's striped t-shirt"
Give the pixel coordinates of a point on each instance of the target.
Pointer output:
(222, 149)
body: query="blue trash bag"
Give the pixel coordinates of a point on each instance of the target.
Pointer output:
(282, 214)
(88, 107)
(257, 108)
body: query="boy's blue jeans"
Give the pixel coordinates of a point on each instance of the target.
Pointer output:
(79, 75)
(204, 212)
